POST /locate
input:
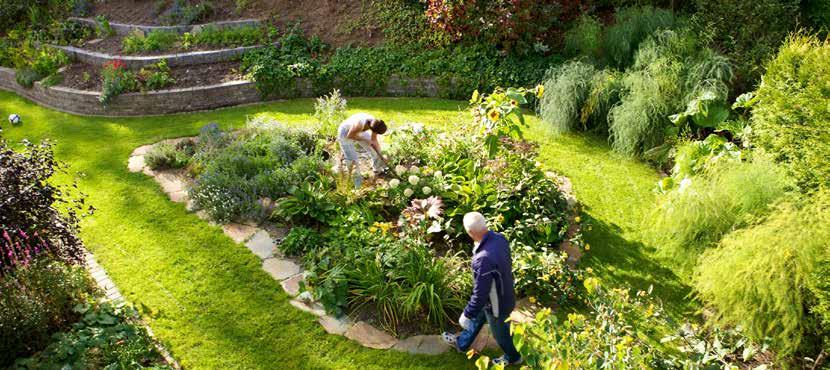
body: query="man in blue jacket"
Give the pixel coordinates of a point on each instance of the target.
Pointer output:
(493, 297)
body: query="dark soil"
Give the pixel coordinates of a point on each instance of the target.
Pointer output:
(86, 77)
(112, 46)
(337, 23)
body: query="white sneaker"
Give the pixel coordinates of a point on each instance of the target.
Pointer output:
(450, 339)
(503, 361)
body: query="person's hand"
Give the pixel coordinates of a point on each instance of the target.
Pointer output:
(465, 323)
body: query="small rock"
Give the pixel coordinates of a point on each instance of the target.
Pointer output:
(170, 182)
(238, 232)
(136, 163)
(280, 269)
(178, 197)
(313, 308)
(334, 325)
(369, 336)
(410, 344)
(432, 345)
(261, 244)
(291, 286)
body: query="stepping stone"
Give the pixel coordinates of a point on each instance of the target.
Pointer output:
(484, 340)
(369, 336)
(262, 245)
(148, 171)
(423, 345)
(178, 197)
(239, 232)
(170, 182)
(280, 269)
(313, 308)
(334, 325)
(524, 312)
(291, 286)
(136, 163)
(142, 150)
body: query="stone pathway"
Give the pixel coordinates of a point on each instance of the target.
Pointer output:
(262, 240)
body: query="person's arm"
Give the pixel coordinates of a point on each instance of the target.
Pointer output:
(354, 132)
(481, 290)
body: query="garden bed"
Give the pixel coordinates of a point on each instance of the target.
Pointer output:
(88, 77)
(367, 257)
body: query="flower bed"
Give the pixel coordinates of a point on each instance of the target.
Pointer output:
(393, 252)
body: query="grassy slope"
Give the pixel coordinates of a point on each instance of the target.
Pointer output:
(208, 299)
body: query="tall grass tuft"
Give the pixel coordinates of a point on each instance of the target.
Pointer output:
(606, 91)
(727, 196)
(631, 27)
(566, 88)
(757, 277)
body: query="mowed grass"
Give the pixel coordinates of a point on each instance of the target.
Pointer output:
(206, 297)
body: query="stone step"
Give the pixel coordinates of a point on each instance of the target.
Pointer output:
(124, 28)
(175, 59)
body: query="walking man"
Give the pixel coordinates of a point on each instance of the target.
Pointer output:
(493, 295)
(361, 129)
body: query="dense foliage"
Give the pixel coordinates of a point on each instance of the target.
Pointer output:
(791, 120)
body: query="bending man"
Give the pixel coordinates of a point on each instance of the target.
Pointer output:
(361, 129)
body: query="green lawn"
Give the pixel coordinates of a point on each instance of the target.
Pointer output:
(207, 298)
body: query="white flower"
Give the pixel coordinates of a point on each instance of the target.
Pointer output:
(685, 184)
(414, 169)
(394, 183)
(442, 136)
(417, 128)
(414, 180)
(426, 190)
(439, 175)
(400, 170)
(408, 192)
(335, 169)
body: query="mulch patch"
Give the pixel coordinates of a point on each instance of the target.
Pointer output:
(87, 77)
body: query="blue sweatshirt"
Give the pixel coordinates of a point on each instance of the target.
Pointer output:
(492, 278)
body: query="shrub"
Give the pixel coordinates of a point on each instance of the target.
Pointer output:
(45, 65)
(585, 38)
(758, 276)
(102, 27)
(748, 32)
(155, 40)
(156, 77)
(39, 218)
(631, 27)
(35, 301)
(566, 89)
(233, 36)
(106, 337)
(792, 120)
(301, 240)
(694, 217)
(545, 276)
(116, 80)
(165, 155)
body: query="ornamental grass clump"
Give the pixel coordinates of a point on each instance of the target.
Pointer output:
(566, 89)
(758, 277)
(705, 207)
(631, 27)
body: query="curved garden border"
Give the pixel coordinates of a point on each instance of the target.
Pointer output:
(123, 29)
(182, 100)
(176, 59)
(262, 240)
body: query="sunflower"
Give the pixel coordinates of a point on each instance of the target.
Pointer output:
(514, 102)
(540, 89)
(493, 115)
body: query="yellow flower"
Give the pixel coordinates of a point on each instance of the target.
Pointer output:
(577, 219)
(475, 97)
(493, 115)
(545, 277)
(372, 229)
(532, 300)
(514, 103)
(540, 89)
(587, 247)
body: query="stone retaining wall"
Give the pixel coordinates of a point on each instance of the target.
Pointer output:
(182, 100)
(176, 59)
(123, 29)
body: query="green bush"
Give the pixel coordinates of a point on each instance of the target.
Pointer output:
(698, 213)
(566, 89)
(107, 337)
(36, 301)
(631, 27)
(792, 118)
(584, 38)
(156, 77)
(166, 155)
(606, 91)
(301, 240)
(758, 276)
(230, 37)
(748, 32)
(155, 40)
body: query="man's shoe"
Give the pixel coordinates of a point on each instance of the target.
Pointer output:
(451, 340)
(503, 361)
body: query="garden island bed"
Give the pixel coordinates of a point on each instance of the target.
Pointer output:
(391, 254)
